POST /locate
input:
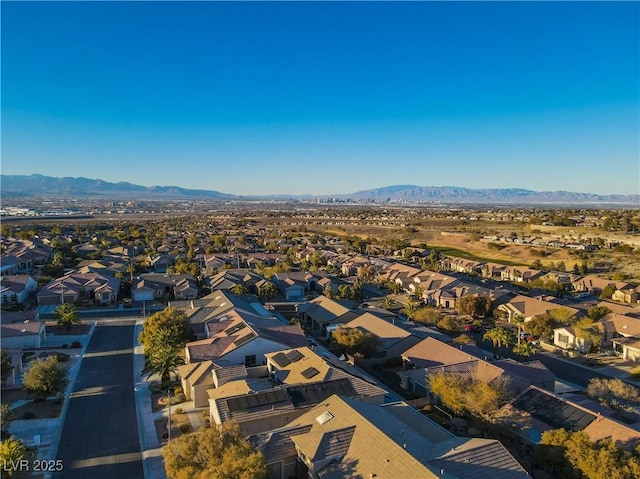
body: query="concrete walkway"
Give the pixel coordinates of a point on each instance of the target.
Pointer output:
(150, 449)
(45, 434)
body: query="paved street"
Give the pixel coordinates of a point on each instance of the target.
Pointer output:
(569, 372)
(100, 435)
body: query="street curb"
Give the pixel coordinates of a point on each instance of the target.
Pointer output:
(152, 460)
(73, 376)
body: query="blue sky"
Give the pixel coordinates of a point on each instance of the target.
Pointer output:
(323, 98)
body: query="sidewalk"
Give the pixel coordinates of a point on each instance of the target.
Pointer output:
(152, 462)
(45, 433)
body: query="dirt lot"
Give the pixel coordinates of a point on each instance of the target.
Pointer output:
(180, 423)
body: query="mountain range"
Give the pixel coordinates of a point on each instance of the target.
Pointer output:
(39, 185)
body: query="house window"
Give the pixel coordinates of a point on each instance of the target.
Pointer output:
(250, 361)
(563, 338)
(274, 470)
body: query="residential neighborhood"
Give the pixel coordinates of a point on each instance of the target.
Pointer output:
(306, 351)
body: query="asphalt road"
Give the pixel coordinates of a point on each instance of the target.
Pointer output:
(100, 435)
(574, 374)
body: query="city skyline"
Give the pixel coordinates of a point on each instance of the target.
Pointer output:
(324, 98)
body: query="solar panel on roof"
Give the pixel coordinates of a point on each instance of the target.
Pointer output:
(294, 355)
(310, 372)
(244, 339)
(280, 359)
(553, 411)
(242, 403)
(234, 329)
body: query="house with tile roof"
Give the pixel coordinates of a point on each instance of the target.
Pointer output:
(529, 308)
(240, 337)
(298, 380)
(594, 285)
(321, 312)
(433, 356)
(393, 339)
(345, 437)
(25, 334)
(535, 411)
(73, 287)
(16, 289)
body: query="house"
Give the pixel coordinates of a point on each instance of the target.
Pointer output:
(626, 295)
(629, 348)
(528, 308)
(215, 305)
(345, 437)
(16, 289)
(432, 356)
(520, 274)
(535, 411)
(594, 285)
(21, 330)
(319, 313)
(298, 379)
(96, 287)
(161, 262)
(228, 279)
(152, 287)
(461, 265)
(393, 339)
(240, 337)
(567, 338)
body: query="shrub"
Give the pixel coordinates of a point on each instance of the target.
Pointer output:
(178, 390)
(185, 428)
(178, 410)
(62, 357)
(180, 398)
(76, 344)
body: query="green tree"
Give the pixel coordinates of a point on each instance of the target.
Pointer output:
(163, 360)
(68, 316)
(463, 339)
(429, 316)
(476, 306)
(173, 321)
(268, 291)
(11, 451)
(45, 377)
(499, 337)
(451, 324)
(217, 452)
(586, 329)
(460, 393)
(6, 366)
(524, 349)
(6, 416)
(388, 302)
(608, 291)
(410, 309)
(598, 312)
(614, 392)
(240, 289)
(352, 340)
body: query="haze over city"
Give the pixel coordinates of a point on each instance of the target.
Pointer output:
(323, 98)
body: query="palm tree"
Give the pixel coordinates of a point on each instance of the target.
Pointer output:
(519, 320)
(11, 452)
(68, 316)
(239, 289)
(164, 361)
(410, 309)
(524, 349)
(499, 337)
(268, 291)
(388, 302)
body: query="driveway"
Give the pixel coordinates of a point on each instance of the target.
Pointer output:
(100, 435)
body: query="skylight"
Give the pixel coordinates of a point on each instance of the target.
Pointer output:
(324, 417)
